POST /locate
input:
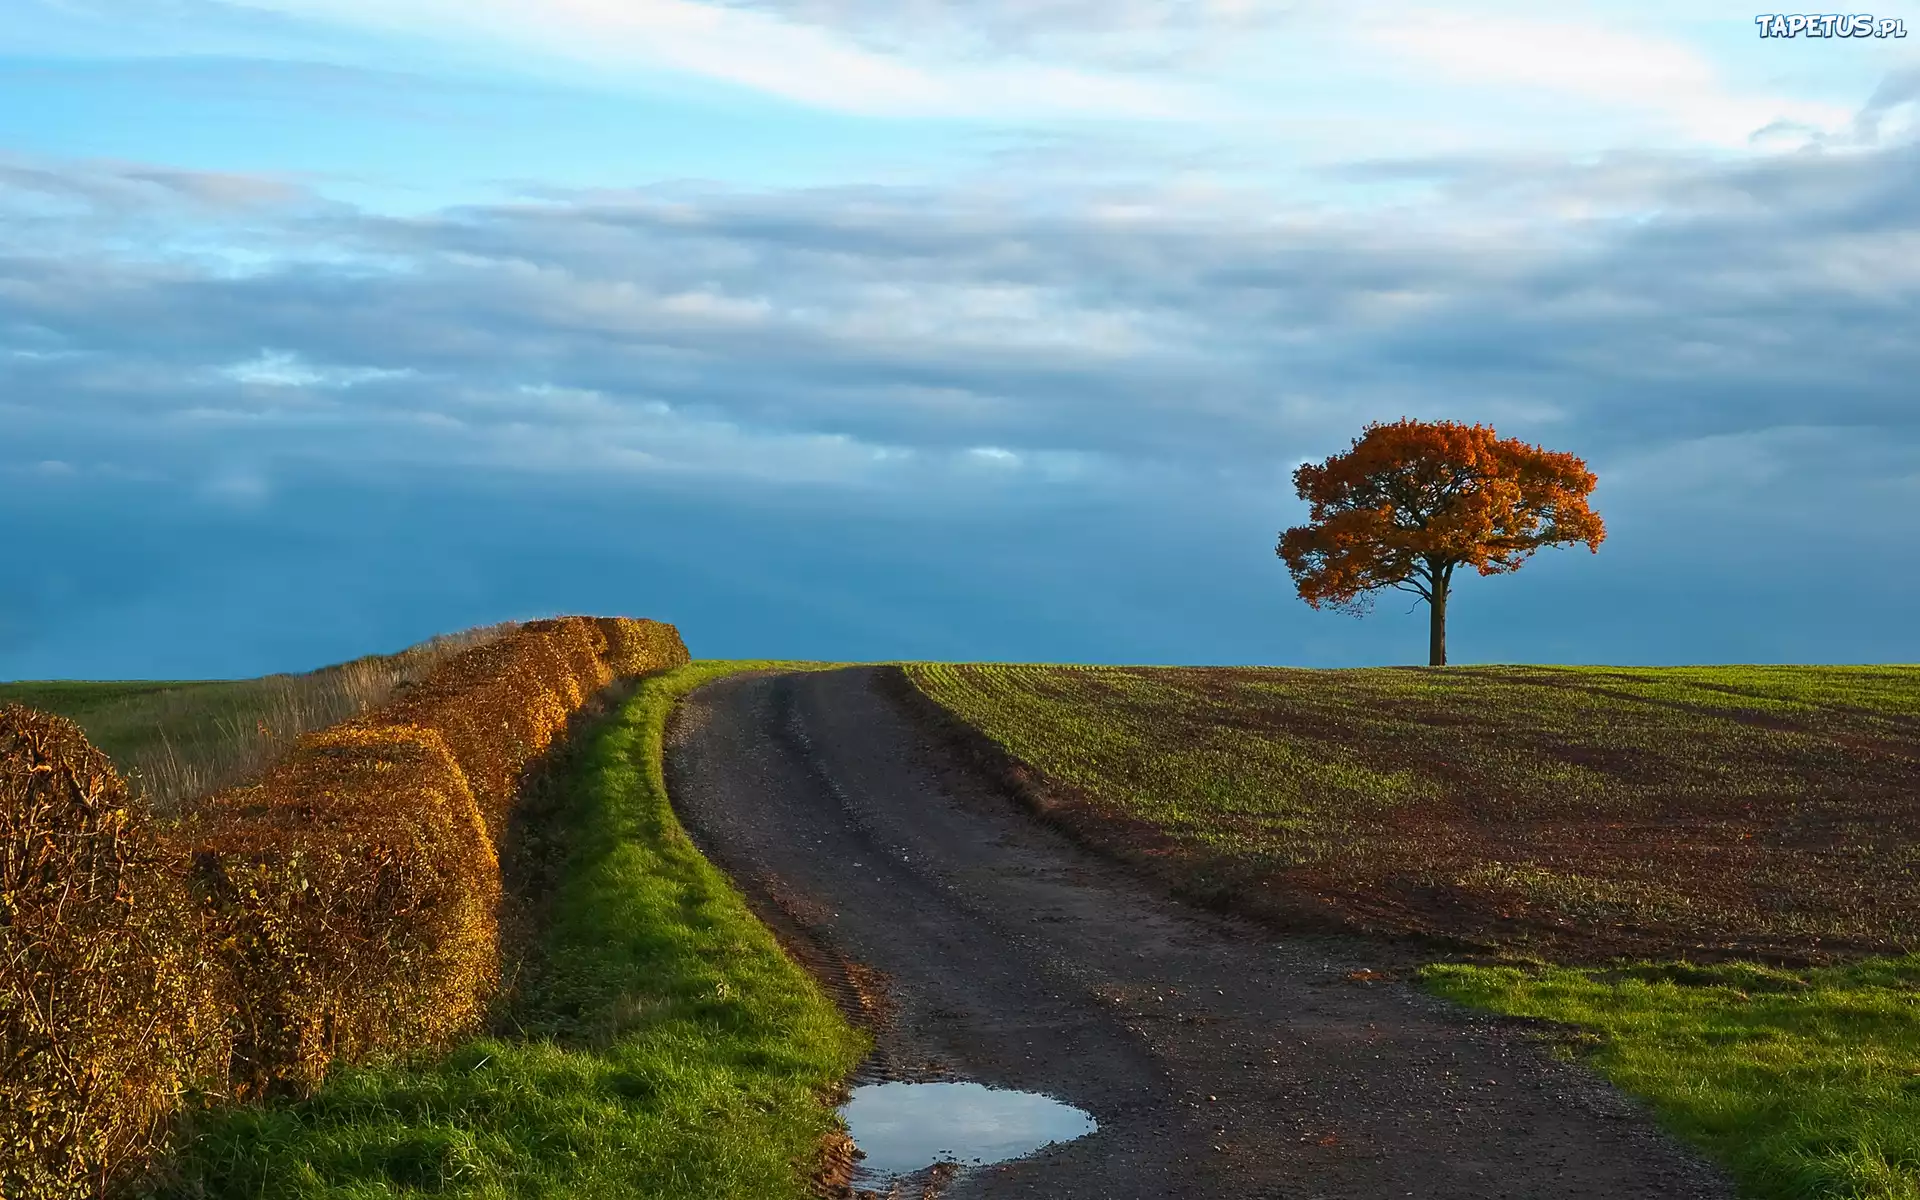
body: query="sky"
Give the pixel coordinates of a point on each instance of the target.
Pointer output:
(938, 329)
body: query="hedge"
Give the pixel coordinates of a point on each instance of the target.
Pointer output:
(108, 1009)
(353, 892)
(351, 897)
(345, 906)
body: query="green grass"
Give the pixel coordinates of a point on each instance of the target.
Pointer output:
(177, 740)
(128, 719)
(1806, 1084)
(76, 698)
(667, 1047)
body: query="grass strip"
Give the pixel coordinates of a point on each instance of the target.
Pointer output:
(1804, 1083)
(669, 1048)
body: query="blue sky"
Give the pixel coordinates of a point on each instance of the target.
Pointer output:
(936, 328)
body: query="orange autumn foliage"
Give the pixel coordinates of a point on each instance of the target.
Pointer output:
(1414, 500)
(341, 907)
(108, 1008)
(352, 891)
(350, 896)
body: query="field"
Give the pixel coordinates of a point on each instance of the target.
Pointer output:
(131, 719)
(661, 1046)
(1762, 812)
(179, 739)
(1670, 862)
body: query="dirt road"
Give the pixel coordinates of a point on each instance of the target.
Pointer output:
(1220, 1059)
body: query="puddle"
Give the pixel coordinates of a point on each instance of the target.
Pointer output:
(906, 1127)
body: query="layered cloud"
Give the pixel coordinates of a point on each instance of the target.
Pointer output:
(757, 49)
(891, 336)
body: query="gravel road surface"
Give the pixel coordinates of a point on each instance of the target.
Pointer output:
(1220, 1059)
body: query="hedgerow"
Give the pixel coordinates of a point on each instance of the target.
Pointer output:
(343, 907)
(108, 1007)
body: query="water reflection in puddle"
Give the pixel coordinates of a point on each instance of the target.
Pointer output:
(905, 1127)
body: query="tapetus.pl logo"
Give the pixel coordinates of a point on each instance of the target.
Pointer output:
(1826, 25)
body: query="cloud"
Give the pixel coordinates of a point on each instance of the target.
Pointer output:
(1129, 33)
(1678, 86)
(282, 369)
(839, 402)
(1255, 86)
(1041, 402)
(753, 48)
(1891, 111)
(930, 341)
(241, 487)
(124, 188)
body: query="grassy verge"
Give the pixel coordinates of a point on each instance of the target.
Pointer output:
(1806, 1084)
(667, 1048)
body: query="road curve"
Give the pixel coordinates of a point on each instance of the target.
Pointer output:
(1220, 1059)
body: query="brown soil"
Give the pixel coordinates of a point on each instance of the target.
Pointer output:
(1221, 1060)
(1706, 842)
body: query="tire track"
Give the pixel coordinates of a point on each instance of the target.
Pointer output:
(1219, 1060)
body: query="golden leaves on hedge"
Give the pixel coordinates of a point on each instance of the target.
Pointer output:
(355, 888)
(344, 906)
(107, 1009)
(351, 893)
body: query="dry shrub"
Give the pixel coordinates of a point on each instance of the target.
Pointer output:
(356, 887)
(107, 1009)
(501, 704)
(352, 891)
(636, 647)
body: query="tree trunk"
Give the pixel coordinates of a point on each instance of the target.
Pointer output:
(1437, 628)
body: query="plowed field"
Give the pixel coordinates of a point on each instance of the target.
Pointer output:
(1768, 812)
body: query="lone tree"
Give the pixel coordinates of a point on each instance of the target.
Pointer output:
(1413, 500)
